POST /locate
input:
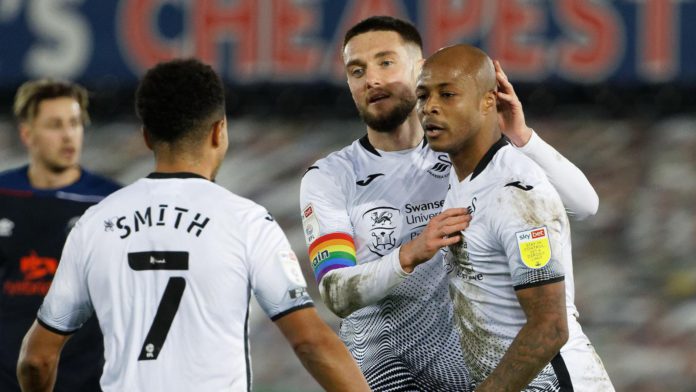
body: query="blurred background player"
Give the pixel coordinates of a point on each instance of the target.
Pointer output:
(39, 204)
(511, 275)
(370, 216)
(169, 264)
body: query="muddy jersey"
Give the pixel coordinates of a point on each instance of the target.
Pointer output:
(519, 237)
(358, 206)
(34, 224)
(169, 264)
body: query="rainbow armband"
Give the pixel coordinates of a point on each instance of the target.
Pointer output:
(330, 252)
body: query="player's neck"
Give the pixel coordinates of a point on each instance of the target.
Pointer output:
(468, 157)
(407, 135)
(42, 177)
(183, 165)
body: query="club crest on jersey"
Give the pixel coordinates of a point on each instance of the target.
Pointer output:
(442, 168)
(383, 224)
(535, 250)
(109, 224)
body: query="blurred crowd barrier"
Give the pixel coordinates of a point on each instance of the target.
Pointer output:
(634, 261)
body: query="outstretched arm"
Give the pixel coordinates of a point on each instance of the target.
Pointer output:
(349, 288)
(38, 359)
(577, 194)
(345, 283)
(321, 352)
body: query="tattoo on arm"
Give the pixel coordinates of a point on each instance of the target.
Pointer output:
(537, 342)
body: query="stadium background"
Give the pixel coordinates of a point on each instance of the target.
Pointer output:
(611, 84)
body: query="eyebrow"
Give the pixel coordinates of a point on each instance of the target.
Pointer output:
(384, 53)
(354, 62)
(439, 85)
(377, 55)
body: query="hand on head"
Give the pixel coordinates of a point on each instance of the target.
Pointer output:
(510, 113)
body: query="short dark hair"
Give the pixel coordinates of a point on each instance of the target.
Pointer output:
(30, 94)
(178, 99)
(406, 30)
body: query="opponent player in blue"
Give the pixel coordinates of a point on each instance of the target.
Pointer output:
(39, 203)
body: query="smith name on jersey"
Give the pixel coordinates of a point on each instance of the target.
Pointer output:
(169, 264)
(359, 205)
(519, 237)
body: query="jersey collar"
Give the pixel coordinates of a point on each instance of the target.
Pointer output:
(160, 176)
(488, 156)
(365, 142)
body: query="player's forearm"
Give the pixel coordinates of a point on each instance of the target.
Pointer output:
(38, 358)
(534, 347)
(330, 363)
(576, 192)
(346, 290)
(36, 374)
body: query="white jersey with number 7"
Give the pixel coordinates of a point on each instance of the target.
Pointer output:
(169, 264)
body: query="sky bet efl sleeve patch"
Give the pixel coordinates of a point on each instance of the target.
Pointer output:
(534, 246)
(310, 223)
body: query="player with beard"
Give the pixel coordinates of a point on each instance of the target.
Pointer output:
(372, 218)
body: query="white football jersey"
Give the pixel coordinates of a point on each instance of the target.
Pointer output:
(168, 264)
(359, 205)
(519, 237)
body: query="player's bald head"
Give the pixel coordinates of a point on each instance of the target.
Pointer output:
(465, 61)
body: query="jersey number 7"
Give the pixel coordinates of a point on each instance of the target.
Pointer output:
(169, 304)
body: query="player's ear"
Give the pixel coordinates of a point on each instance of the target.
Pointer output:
(25, 133)
(489, 103)
(219, 132)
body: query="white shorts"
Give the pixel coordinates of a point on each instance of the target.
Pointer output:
(584, 367)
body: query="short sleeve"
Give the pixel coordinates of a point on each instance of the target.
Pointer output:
(324, 205)
(275, 274)
(325, 221)
(67, 305)
(533, 227)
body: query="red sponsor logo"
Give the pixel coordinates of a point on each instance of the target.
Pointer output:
(26, 287)
(35, 269)
(538, 233)
(308, 211)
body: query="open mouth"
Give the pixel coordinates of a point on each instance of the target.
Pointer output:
(432, 129)
(376, 97)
